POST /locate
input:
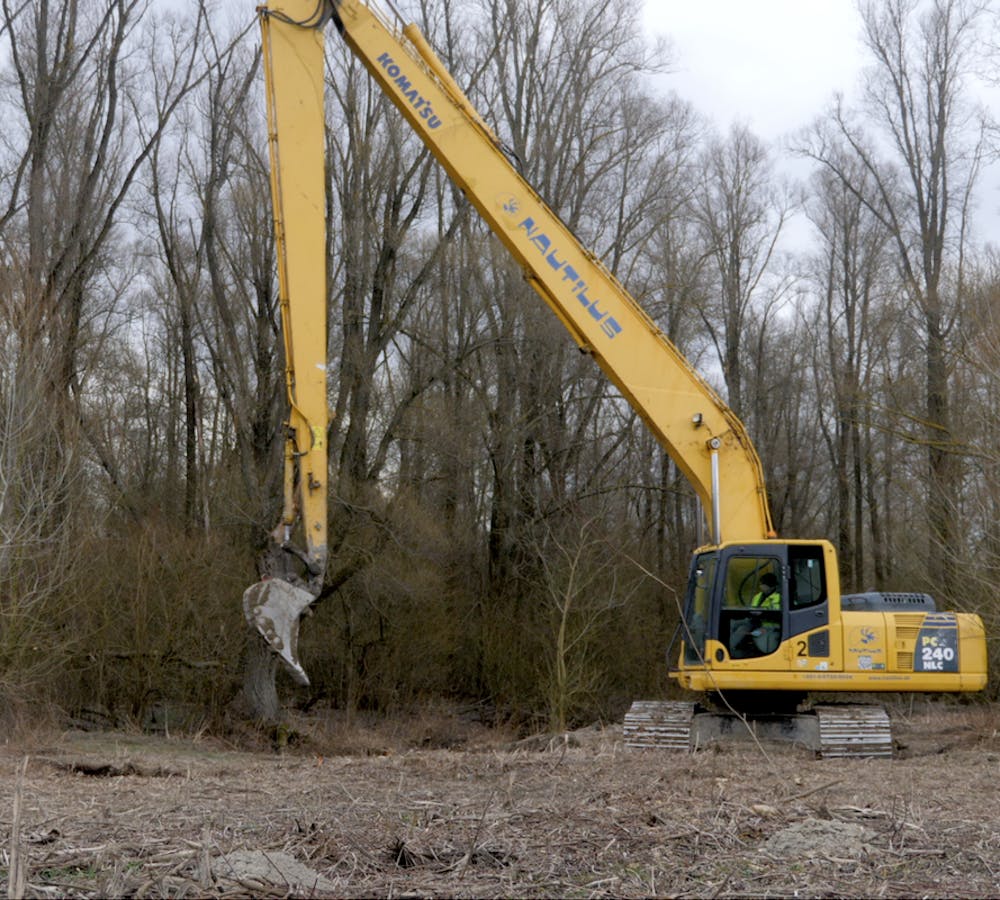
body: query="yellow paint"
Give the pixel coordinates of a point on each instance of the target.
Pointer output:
(864, 641)
(679, 407)
(639, 359)
(293, 68)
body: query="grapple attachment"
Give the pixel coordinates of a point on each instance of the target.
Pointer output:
(273, 607)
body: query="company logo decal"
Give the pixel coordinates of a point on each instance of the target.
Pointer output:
(409, 92)
(560, 263)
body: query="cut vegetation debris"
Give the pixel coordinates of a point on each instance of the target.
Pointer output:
(126, 815)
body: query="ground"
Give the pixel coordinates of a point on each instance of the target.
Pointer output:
(88, 815)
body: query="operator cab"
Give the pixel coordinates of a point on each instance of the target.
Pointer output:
(750, 598)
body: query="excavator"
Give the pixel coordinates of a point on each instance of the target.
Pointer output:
(764, 625)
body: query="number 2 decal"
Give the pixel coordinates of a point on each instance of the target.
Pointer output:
(800, 647)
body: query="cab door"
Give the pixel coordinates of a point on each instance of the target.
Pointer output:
(750, 610)
(698, 608)
(809, 603)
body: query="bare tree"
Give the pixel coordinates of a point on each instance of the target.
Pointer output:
(87, 133)
(581, 591)
(921, 166)
(740, 211)
(39, 553)
(667, 277)
(198, 182)
(391, 220)
(87, 98)
(851, 283)
(980, 401)
(208, 191)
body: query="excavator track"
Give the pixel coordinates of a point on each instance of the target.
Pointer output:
(660, 724)
(854, 731)
(829, 731)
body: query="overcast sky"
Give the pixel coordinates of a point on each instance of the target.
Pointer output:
(773, 64)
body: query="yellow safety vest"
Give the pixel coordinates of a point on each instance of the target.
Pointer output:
(771, 601)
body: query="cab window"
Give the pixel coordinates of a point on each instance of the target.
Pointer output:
(698, 608)
(743, 579)
(750, 624)
(807, 576)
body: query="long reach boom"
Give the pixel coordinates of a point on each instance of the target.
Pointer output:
(762, 617)
(701, 434)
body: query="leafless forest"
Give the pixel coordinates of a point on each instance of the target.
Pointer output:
(503, 529)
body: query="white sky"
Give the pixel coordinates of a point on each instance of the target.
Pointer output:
(773, 64)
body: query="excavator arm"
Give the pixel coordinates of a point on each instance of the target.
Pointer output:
(693, 424)
(295, 561)
(697, 429)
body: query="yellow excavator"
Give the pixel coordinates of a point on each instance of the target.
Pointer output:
(764, 622)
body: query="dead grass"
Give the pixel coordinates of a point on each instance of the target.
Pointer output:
(487, 816)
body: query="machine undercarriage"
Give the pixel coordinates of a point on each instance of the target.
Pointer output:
(828, 730)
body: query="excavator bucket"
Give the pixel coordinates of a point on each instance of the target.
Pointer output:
(273, 607)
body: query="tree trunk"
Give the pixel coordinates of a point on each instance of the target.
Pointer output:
(258, 699)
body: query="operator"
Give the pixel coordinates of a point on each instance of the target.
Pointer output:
(752, 637)
(767, 597)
